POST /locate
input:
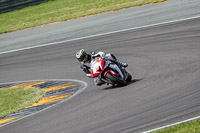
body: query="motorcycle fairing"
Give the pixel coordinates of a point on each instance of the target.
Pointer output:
(97, 66)
(110, 71)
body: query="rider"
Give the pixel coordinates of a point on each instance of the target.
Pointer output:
(85, 59)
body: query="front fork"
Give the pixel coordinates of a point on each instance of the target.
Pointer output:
(115, 67)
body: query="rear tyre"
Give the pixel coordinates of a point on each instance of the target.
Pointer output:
(115, 80)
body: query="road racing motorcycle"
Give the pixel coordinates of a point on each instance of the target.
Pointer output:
(109, 72)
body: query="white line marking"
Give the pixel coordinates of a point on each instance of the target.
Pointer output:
(172, 124)
(146, 26)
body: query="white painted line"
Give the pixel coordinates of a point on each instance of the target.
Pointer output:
(82, 87)
(146, 26)
(172, 124)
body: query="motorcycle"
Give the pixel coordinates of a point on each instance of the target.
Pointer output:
(109, 72)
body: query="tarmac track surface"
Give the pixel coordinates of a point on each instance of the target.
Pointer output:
(164, 61)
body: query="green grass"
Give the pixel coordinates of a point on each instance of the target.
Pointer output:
(62, 10)
(189, 127)
(14, 99)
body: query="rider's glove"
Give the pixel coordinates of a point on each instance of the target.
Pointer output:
(89, 75)
(102, 54)
(93, 53)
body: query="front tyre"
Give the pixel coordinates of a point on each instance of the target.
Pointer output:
(114, 79)
(129, 77)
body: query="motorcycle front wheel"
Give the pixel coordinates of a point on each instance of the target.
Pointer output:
(129, 77)
(114, 79)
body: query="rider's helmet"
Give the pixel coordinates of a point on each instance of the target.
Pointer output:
(81, 55)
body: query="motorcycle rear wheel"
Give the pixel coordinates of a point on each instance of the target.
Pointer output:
(115, 79)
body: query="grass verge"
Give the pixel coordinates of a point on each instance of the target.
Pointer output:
(62, 10)
(14, 99)
(189, 127)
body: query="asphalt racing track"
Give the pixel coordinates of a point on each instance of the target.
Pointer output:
(163, 59)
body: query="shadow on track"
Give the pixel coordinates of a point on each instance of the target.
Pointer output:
(118, 86)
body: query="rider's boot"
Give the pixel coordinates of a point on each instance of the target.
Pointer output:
(98, 81)
(121, 64)
(124, 64)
